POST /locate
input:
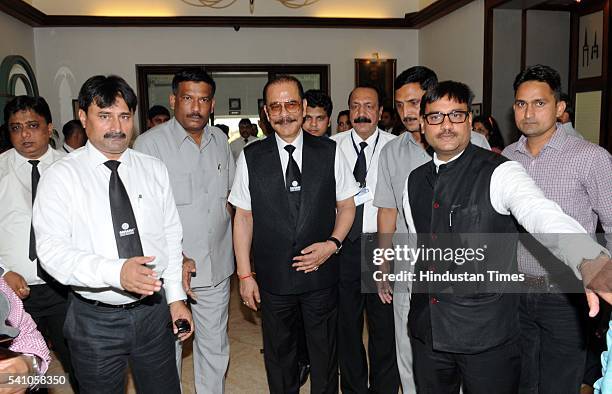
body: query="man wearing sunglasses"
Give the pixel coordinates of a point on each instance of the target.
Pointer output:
(293, 195)
(461, 335)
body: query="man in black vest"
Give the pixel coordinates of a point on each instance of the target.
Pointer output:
(293, 195)
(470, 339)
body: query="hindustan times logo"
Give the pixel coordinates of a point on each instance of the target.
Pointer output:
(405, 253)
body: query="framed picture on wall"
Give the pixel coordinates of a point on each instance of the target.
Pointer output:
(379, 73)
(234, 104)
(477, 109)
(590, 45)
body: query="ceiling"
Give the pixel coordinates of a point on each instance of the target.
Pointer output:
(273, 8)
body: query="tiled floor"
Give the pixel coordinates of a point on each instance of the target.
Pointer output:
(246, 372)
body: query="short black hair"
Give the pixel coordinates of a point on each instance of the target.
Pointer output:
(157, 110)
(24, 103)
(569, 106)
(104, 90)
(316, 98)
(192, 75)
(389, 110)
(540, 73)
(368, 86)
(280, 79)
(245, 121)
(495, 138)
(71, 127)
(455, 91)
(223, 127)
(345, 112)
(422, 75)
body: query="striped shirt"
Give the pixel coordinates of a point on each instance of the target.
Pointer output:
(574, 173)
(29, 340)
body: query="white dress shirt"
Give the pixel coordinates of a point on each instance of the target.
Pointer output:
(346, 185)
(238, 145)
(16, 210)
(513, 191)
(372, 152)
(74, 228)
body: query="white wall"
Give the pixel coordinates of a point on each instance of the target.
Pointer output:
(68, 56)
(548, 41)
(453, 46)
(17, 38)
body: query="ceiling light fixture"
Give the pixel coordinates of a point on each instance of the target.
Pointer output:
(219, 4)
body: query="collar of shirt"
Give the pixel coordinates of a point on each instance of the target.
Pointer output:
(556, 142)
(371, 139)
(181, 135)
(68, 148)
(46, 159)
(298, 142)
(97, 158)
(407, 138)
(439, 162)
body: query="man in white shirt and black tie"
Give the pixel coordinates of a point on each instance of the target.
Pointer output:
(106, 224)
(361, 146)
(29, 127)
(293, 195)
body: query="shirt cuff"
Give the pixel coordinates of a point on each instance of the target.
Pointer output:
(110, 271)
(174, 291)
(242, 204)
(383, 203)
(585, 249)
(348, 193)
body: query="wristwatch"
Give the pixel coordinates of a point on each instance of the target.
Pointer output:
(35, 363)
(337, 242)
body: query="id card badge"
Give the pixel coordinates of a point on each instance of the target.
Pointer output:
(364, 195)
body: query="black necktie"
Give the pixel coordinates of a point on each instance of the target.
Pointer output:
(293, 183)
(40, 272)
(35, 178)
(359, 172)
(124, 222)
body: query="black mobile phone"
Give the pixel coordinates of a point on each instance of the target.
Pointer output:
(182, 325)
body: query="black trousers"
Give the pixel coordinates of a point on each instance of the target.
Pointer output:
(279, 315)
(302, 347)
(103, 340)
(384, 375)
(47, 304)
(553, 342)
(494, 371)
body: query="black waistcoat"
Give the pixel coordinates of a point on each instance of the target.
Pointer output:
(276, 239)
(456, 200)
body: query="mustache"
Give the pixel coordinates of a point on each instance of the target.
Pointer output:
(410, 119)
(446, 133)
(362, 119)
(195, 115)
(115, 134)
(284, 120)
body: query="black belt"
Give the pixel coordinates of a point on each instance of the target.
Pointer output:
(535, 281)
(113, 306)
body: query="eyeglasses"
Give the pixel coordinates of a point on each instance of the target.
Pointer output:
(290, 106)
(436, 118)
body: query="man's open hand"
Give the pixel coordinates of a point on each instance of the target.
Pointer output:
(138, 278)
